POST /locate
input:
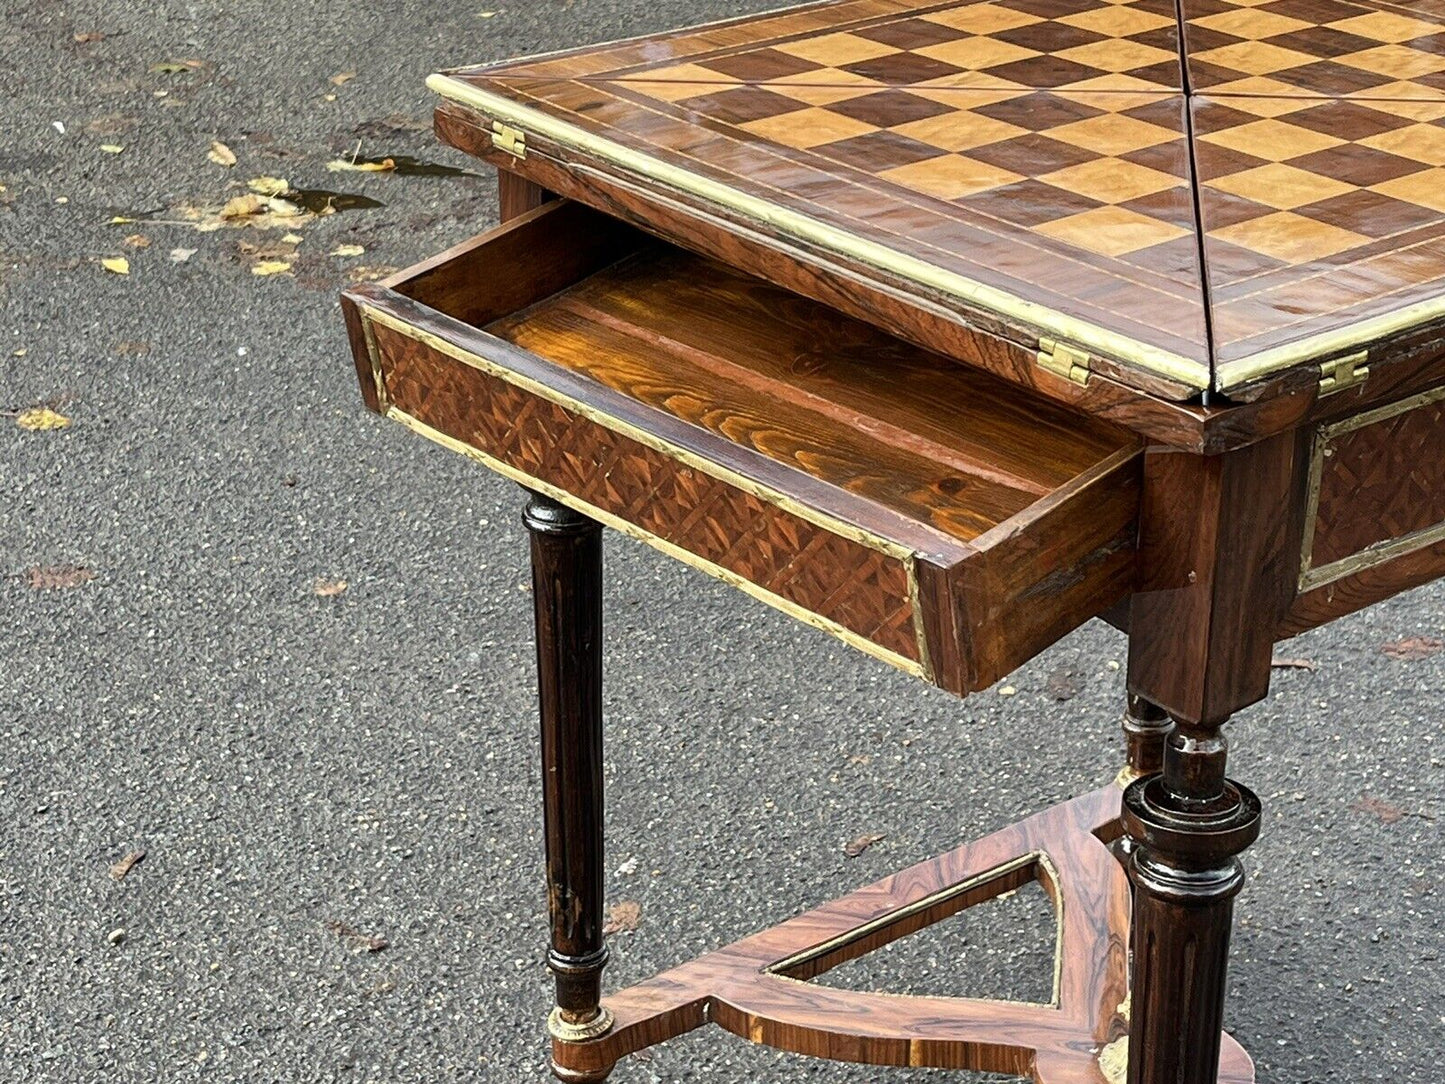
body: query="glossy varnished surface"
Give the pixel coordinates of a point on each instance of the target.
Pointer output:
(911, 506)
(1050, 149)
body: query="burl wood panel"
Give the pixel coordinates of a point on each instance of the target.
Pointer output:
(759, 988)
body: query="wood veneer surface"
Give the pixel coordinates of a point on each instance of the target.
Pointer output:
(1261, 177)
(834, 397)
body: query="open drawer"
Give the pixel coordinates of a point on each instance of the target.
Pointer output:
(925, 512)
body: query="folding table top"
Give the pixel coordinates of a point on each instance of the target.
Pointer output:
(1205, 203)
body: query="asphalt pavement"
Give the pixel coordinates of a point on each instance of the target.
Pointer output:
(282, 646)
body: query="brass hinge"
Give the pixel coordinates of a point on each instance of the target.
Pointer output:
(509, 139)
(1063, 360)
(1342, 373)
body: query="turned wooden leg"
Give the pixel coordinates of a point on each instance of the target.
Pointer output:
(567, 595)
(1188, 826)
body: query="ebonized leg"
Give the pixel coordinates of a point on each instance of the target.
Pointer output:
(1188, 827)
(567, 595)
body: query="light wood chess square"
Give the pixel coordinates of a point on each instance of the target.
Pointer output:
(1112, 231)
(1422, 142)
(1272, 140)
(1280, 186)
(1424, 189)
(1289, 237)
(836, 50)
(951, 177)
(1111, 180)
(1113, 134)
(982, 18)
(808, 128)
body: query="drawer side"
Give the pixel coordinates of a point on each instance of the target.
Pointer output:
(830, 576)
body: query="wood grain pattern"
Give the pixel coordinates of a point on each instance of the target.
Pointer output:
(794, 451)
(757, 988)
(1218, 565)
(1033, 147)
(891, 305)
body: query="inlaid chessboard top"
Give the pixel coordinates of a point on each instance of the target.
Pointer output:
(1210, 201)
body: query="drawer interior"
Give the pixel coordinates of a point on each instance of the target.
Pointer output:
(785, 376)
(1010, 518)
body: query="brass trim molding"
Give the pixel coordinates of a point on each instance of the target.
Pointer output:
(1051, 323)
(704, 466)
(561, 496)
(567, 1032)
(1056, 325)
(1312, 577)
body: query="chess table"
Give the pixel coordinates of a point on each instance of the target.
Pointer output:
(946, 326)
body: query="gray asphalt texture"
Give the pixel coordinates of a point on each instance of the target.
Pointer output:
(290, 762)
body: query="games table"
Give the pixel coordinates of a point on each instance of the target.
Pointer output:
(946, 327)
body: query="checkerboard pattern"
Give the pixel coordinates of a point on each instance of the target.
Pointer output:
(1309, 204)
(1315, 48)
(1103, 173)
(1055, 127)
(1083, 45)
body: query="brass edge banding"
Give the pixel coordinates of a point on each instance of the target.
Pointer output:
(858, 933)
(373, 353)
(792, 609)
(698, 463)
(1233, 374)
(920, 634)
(567, 1032)
(989, 298)
(1311, 577)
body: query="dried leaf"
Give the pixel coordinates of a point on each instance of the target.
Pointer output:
(325, 588)
(292, 238)
(370, 272)
(221, 154)
(126, 864)
(269, 186)
(1387, 813)
(89, 38)
(37, 419)
(1413, 647)
(132, 348)
(361, 165)
(111, 124)
(57, 577)
(1281, 663)
(137, 240)
(175, 67)
(181, 255)
(623, 917)
(340, 79)
(116, 265)
(862, 843)
(347, 250)
(362, 941)
(271, 267)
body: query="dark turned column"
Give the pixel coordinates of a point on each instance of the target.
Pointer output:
(1146, 727)
(1188, 825)
(567, 595)
(1219, 552)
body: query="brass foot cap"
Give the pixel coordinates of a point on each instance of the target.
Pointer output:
(567, 1032)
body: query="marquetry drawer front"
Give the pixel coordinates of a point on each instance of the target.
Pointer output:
(912, 507)
(1377, 489)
